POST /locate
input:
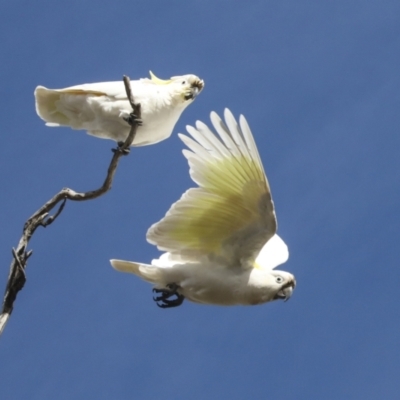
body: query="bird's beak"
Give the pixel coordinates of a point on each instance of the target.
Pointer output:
(286, 291)
(195, 89)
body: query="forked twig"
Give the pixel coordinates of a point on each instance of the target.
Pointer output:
(16, 278)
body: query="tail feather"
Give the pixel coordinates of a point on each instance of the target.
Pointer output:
(149, 273)
(65, 106)
(46, 106)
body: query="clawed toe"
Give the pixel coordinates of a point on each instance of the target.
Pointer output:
(164, 300)
(133, 119)
(120, 149)
(171, 303)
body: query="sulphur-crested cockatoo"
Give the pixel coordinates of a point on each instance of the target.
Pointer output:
(103, 108)
(219, 239)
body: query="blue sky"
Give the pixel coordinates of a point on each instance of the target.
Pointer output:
(319, 84)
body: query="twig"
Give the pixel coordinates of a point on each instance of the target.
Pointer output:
(16, 277)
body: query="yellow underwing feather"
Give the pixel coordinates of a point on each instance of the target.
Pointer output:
(231, 213)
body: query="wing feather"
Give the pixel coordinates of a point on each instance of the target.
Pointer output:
(231, 213)
(251, 144)
(194, 146)
(212, 139)
(235, 131)
(112, 89)
(223, 132)
(204, 141)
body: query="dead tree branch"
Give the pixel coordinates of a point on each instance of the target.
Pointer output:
(42, 217)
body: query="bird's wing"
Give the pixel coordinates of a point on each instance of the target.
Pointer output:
(231, 213)
(67, 106)
(274, 253)
(116, 89)
(112, 89)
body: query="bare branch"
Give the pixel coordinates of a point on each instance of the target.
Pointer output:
(16, 278)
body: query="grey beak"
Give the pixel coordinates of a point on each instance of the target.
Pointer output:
(196, 88)
(195, 92)
(288, 293)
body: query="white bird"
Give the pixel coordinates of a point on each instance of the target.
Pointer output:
(103, 108)
(219, 238)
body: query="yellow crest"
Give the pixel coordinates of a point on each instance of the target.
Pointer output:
(159, 81)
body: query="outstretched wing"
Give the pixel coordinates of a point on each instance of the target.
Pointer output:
(231, 213)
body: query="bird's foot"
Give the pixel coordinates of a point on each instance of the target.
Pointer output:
(132, 119)
(164, 300)
(120, 149)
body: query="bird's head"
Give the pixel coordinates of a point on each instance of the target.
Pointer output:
(271, 285)
(283, 284)
(187, 87)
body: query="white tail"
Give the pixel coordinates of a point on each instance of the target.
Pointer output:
(69, 107)
(149, 273)
(46, 106)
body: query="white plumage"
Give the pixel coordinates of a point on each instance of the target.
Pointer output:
(220, 238)
(100, 108)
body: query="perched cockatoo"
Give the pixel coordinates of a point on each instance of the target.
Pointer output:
(103, 108)
(220, 238)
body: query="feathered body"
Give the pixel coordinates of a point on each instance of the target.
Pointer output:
(220, 238)
(100, 108)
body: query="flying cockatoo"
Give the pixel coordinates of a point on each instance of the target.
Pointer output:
(103, 108)
(219, 239)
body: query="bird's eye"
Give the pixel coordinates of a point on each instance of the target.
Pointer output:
(183, 82)
(279, 279)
